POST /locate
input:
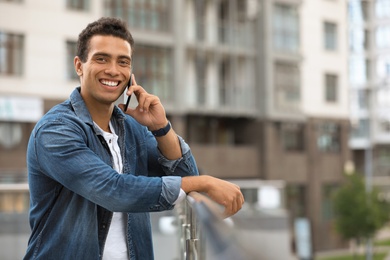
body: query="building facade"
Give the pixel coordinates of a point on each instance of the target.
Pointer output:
(369, 74)
(258, 88)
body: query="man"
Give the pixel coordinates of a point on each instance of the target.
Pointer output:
(95, 172)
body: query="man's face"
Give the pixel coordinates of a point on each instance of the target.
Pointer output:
(106, 72)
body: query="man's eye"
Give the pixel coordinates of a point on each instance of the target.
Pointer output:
(101, 59)
(124, 63)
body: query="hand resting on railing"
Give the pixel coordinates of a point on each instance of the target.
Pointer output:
(222, 192)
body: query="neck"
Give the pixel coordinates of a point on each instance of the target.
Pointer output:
(101, 115)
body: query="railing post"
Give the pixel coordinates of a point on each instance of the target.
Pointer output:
(192, 243)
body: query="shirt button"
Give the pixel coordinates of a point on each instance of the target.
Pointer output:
(103, 226)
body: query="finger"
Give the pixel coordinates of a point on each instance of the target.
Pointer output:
(141, 97)
(134, 82)
(228, 211)
(147, 102)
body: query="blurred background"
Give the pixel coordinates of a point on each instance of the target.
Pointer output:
(279, 96)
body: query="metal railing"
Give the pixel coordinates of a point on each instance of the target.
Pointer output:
(204, 234)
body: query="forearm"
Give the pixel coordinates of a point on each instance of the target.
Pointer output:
(195, 183)
(169, 145)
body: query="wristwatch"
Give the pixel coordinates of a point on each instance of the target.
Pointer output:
(162, 131)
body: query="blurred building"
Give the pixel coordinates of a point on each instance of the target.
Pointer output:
(369, 77)
(258, 88)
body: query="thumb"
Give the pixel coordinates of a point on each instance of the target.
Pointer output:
(129, 110)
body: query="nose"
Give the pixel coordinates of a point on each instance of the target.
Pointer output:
(112, 69)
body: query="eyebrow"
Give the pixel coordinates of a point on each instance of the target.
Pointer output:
(104, 54)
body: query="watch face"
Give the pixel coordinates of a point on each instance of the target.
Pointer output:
(10, 134)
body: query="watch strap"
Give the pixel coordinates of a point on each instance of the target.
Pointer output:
(162, 131)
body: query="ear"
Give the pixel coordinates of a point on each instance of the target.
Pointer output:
(78, 66)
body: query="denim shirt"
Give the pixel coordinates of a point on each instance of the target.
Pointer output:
(74, 189)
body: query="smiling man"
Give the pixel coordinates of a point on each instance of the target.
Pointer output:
(96, 171)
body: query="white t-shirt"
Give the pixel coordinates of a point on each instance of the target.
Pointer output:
(115, 247)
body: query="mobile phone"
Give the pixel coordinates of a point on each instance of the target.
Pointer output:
(128, 97)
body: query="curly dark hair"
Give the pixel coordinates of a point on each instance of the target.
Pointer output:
(103, 26)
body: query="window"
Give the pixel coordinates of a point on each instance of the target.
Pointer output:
(358, 70)
(382, 8)
(152, 69)
(331, 82)
(286, 28)
(382, 35)
(330, 36)
(81, 5)
(328, 191)
(293, 136)
(152, 15)
(11, 134)
(382, 160)
(384, 126)
(14, 201)
(360, 130)
(211, 130)
(287, 86)
(201, 65)
(200, 13)
(224, 80)
(359, 40)
(328, 139)
(359, 10)
(71, 51)
(362, 98)
(296, 200)
(11, 54)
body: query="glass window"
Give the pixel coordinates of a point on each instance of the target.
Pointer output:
(152, 15)
(359, 40)
(358, 70)
(287, 86)
(384, 126)
(224, 28)
(286, 28)
(211, 130)
(153, 70)
(359, 11)
(224, 80)
(328, 139)
(11, 54)
(296, 200)
(382, 161)
(14, 201)
(362, 98)
(360, 130)
(201, 65)
(331, 82)
(71, 50)
(200, 13)
(81, 5)
(293, 136)
(330, 36)
(382, 36)
(382, 8)
(328, 191)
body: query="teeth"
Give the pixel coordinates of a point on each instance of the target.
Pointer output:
(110, 83)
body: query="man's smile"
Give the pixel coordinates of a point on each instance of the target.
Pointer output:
(110, 83)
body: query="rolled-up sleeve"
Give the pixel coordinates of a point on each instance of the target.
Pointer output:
(172, 164)
(171, 189)
(171, 185)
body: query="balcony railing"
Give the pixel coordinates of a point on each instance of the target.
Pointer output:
(204, 233)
